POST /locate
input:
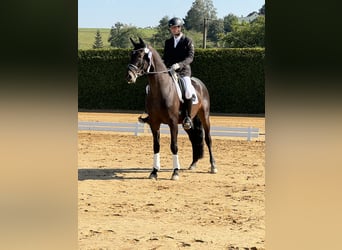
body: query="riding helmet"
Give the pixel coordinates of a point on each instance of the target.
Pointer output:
(175, 22)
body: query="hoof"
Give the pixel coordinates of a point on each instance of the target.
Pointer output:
(192, 167)
(175, 175)
(153, 174)
(143, 119)
(213, 170)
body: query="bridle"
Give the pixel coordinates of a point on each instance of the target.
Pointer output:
(140, 71)
(135, 70)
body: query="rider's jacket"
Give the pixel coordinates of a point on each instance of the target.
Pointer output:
(183, 54)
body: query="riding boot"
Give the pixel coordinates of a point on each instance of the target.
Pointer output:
(187, 123)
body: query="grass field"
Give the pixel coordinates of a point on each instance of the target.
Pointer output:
(86, 36)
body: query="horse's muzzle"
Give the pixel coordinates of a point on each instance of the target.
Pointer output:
(130, 77)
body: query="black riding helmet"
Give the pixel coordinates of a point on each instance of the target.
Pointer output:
(175, 22)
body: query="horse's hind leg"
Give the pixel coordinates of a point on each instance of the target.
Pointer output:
(196, 137)
(206, 127)
(213, 168)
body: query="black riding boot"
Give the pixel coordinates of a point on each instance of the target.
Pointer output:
(187, 123)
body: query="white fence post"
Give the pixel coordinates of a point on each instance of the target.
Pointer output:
(136, 129)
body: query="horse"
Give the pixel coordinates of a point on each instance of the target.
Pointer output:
(163, 105)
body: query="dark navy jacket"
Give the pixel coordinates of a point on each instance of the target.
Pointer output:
(183, 54)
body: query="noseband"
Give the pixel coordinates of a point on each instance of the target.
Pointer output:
(135, 70)
(140, 71)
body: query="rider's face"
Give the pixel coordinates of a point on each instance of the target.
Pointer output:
(175, 30)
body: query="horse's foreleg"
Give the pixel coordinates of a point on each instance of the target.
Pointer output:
(156, 155)
(174, 150)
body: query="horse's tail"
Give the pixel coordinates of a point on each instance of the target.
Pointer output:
(196, 137)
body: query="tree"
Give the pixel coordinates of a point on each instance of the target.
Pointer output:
(258, 31)
(98, 41)
(199, 10)
(162, 34)
(262, 10)
(229, 21)
(120, 34)
(246, 34)
(215, 28)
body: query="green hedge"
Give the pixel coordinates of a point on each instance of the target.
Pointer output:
(234, 77)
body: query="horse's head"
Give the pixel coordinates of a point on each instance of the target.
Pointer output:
(139, 62)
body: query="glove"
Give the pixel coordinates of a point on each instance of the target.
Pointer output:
(175, 66)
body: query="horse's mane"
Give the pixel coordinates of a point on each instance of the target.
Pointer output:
(157, 58)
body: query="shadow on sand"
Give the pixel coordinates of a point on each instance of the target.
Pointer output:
(110, 173)
(115, 173)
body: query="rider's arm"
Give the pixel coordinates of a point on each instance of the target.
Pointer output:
(190, 52)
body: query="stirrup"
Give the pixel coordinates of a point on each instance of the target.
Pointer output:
(187, 124)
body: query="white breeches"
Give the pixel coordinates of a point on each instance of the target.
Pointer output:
(189, 89)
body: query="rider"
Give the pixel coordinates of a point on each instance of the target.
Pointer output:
(178, 55)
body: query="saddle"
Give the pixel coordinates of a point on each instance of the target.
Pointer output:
(181, 83)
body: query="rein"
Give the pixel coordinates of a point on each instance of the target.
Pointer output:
(157, 72)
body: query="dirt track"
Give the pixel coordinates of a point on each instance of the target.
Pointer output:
(120, 208)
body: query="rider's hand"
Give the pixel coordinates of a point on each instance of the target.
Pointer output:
(175, 66)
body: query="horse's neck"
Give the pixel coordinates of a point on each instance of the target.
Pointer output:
(158, 63)
(160, 81)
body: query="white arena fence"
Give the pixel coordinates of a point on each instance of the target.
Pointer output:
(141, 128)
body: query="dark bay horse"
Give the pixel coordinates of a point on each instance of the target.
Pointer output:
(164, 106)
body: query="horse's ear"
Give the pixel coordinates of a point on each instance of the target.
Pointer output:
(141, 40)
(134, 44)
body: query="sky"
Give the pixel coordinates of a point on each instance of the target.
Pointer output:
(105, 13)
